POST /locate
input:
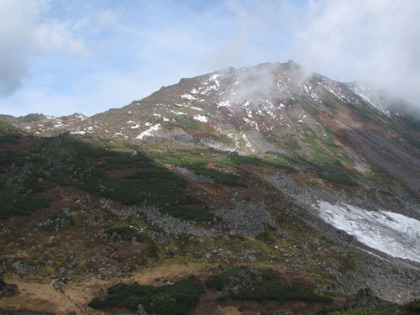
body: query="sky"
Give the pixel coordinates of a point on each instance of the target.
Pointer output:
(58, 57)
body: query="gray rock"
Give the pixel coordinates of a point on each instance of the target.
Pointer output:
(140, 310)
(363, 298)
(336, 288)
(246, 219)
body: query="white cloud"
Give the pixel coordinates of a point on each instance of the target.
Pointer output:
(23, 33)
(131, 48)
(13, 39)
(375, 42)
(55, 35)
(372, 41)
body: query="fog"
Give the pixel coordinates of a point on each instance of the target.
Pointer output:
(371, 42)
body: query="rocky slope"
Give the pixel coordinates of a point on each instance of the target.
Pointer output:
(262, 166)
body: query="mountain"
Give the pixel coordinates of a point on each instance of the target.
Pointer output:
(220, 176)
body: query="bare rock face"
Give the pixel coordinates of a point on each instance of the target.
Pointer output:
(364, 298)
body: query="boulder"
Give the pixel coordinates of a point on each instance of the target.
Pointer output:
(364, 298)
(140, 310)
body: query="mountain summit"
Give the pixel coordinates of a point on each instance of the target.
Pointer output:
(219, 176)
(274, 108)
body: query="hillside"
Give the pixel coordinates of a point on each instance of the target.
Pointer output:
(296, 178)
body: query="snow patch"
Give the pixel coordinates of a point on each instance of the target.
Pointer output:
(239, 140)
(177, 113)
(249, 113)
(188, 97)
(80, 116)
(272, 115)
(214, 77)
(212, 84)
(201, 118)
(391, 233)
(223, 104)
(246, 141)
(149, 132)
(78, 132)
(368, 95)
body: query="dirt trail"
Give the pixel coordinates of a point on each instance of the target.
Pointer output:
(46, 297)
(61, 298)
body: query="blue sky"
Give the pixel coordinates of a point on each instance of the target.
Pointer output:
(58, 57)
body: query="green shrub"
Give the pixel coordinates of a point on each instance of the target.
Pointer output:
(219, 177)
(412, 306)
(199, 214)
(7, 290)
(293, 144)
(335, 174)
(56, 222)
(10, 137)
(6, 125)
(179, 298)
(95, 169)
(218, 282)
(151, 183)
(187, 122)
(31, 118)
(359, 311)
(235, 160)
(182, 158)
(14, 203)
(2, 283)
(279, 162)
(260, 285)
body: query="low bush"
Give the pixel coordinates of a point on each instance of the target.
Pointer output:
(179, 298)
(279, 162)
(187, 122)
(412, 306)
(255, 284)
(219, 177)
(55, 222)
(10, 137)
(14, 203)
(335, 175)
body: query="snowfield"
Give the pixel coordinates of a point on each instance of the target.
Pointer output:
(388, 232)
